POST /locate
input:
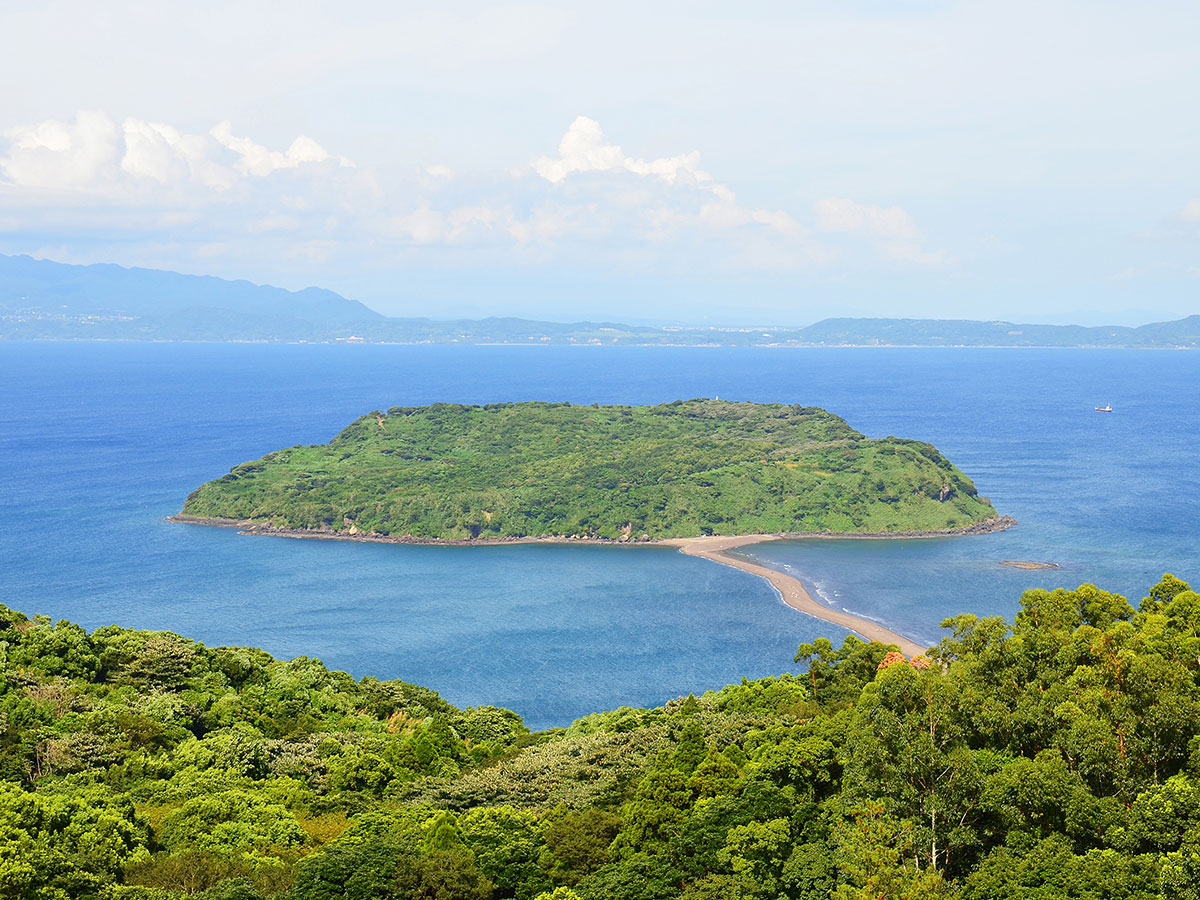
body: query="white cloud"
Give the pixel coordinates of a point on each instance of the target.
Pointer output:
(465, 219)
(892, 230)
(150, 193)
(840, 214)
(92, 153)
(1191, 212)
(422, 226)
(668, 204)
(163, 154)
(60, 154)
(255, 159)
(582, 149)
(158, 186)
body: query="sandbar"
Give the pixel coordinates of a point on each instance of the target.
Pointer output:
(713, 548)
(791, 589)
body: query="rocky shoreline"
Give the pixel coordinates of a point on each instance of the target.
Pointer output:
(251, 527)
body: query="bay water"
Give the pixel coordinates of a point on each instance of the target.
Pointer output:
(100, 441)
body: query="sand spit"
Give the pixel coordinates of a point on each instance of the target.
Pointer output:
(712, 548)
(792, 590)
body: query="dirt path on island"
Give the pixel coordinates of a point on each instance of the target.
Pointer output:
(791, 589)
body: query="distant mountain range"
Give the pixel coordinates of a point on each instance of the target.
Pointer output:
(968, 333)
(42, 300)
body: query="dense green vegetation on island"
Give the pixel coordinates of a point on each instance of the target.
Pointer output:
(618, 472)
(1056, 757)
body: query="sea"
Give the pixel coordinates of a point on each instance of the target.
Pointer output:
(100, 442)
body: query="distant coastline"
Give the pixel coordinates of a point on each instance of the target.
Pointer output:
(788, 345)
(711, 547)
(45, 300)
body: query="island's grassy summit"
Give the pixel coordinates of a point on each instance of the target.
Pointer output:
(681, 469)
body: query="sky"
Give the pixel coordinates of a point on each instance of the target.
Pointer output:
(756, 163)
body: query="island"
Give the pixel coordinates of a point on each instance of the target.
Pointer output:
(533, 470)
(706, 476)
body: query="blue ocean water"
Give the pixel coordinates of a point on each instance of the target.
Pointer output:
(98, 442)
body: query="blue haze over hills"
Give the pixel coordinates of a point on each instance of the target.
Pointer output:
(43, 300)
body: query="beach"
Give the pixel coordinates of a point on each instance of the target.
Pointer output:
(713, 548)
(791, 589)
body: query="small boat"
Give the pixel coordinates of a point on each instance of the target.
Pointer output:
(1107, 408)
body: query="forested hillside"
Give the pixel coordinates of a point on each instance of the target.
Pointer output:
(40, 300)
(618, 472)
(1058, 756)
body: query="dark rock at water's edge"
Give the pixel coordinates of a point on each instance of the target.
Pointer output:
(999, 523)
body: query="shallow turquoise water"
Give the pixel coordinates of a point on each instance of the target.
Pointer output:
(98, 442)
